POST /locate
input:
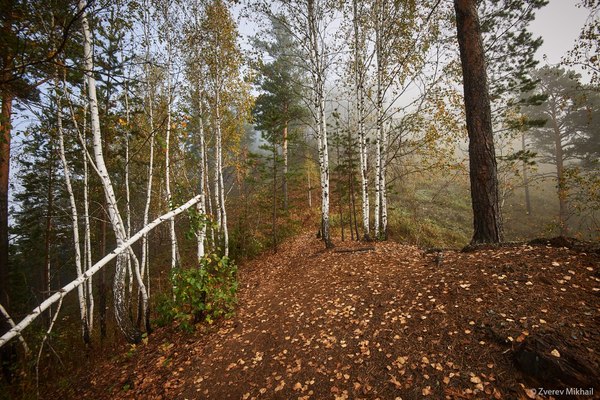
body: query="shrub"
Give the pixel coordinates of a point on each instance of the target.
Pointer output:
(200, 294)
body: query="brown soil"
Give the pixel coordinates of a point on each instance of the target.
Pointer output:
(387, 323)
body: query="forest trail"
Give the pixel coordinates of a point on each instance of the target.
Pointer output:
(388, 323)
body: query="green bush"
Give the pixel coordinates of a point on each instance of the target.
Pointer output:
(200, 294)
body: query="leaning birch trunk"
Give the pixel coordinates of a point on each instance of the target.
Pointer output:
(121, 310)
(201, 233)
(57, 296)
(83, 307)
(12, 325)
(319, 86)
(360, 112)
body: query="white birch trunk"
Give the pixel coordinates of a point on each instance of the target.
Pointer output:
(208, 197)
(360, 112)
(383, 188)
(284, 150)
(201, 233)
(121, 311)
(127, 192)
(83, 308)
(12, 325)
(379, 188)
(145, 267)
(318, 75)
(87, 226)
(219, 173)
(174, 250)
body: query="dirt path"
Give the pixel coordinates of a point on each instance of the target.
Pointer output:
(386, 323)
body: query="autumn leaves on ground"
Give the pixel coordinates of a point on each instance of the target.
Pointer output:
(380, 320)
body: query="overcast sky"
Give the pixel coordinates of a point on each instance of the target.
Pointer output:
(559, 24)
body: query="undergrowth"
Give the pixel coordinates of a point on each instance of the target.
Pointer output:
(200, 294)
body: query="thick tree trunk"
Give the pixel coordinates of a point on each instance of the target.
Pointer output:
(5, 131)
(482, 157)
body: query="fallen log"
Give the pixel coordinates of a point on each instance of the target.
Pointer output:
(555, 363)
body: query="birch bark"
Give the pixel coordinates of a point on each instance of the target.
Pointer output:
(83, 308)
(359, 76)
(318, 77)
(121, 310)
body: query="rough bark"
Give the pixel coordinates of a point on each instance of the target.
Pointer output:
(5, 129)
(482, 158)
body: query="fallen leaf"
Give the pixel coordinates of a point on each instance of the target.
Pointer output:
(555, 353)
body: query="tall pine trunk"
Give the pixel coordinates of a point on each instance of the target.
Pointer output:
(5, 133)
(482, 158)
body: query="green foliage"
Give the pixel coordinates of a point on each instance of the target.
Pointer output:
(200, 294)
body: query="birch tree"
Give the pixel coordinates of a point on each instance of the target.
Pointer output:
(119, 290)
(227, 98)
(167, 29)
(359, 70)
(83, 306)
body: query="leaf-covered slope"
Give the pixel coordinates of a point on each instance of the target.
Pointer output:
(386, 323)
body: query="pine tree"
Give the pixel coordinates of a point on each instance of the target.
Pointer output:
(482, 157)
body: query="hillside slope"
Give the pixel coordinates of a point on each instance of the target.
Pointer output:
(388, 322)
